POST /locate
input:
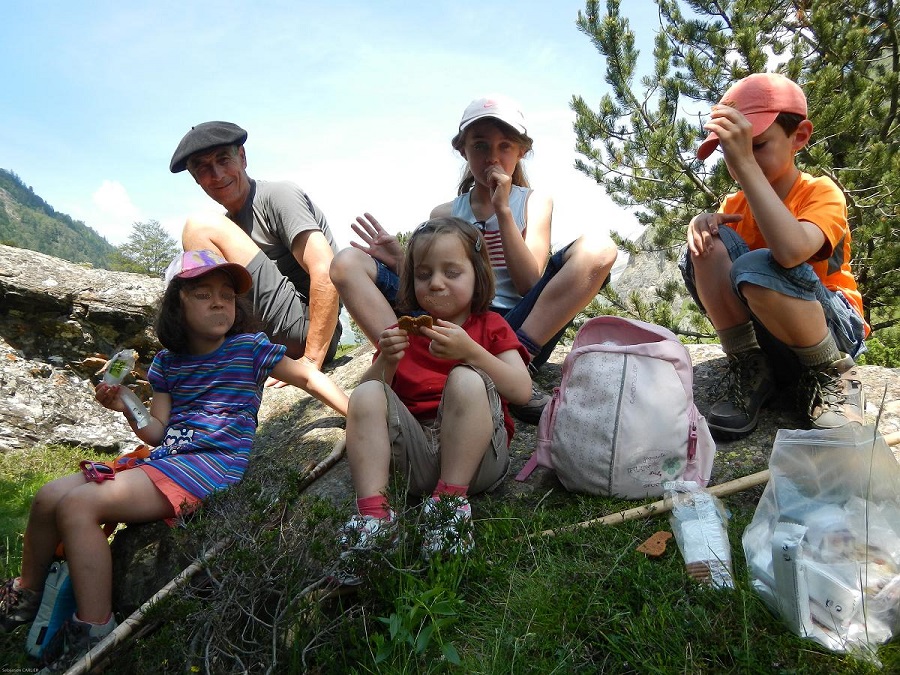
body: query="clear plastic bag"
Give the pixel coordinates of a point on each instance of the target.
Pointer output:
(698, 521)
(823, 548)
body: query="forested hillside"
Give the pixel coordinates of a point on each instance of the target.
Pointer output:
(27, 221)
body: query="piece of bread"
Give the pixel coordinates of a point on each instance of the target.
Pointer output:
(655, 546)
(412, 324)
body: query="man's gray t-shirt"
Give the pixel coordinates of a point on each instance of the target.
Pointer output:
(273, 215)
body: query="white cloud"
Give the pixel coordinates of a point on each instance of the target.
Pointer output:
(115, 211)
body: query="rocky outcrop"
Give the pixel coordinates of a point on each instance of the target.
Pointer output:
(59, 322)
(51, 342)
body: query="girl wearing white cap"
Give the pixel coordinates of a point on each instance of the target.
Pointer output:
(538, 297)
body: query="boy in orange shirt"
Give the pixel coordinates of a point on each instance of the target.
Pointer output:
(772, 267)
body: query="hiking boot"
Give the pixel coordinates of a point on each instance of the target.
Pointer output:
(358, 536)
(748, 384)
(446, 526)
(831, 395)
(72, 641)
(18, 605)
(530, 412)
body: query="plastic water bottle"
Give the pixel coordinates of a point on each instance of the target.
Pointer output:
(117, 369)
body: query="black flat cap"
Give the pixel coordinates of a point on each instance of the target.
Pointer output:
(205, 137)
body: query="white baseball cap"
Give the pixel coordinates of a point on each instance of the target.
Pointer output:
(497, 106)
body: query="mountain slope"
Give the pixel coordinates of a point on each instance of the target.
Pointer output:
(27, 221)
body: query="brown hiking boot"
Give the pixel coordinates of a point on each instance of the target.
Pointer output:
(747, 385)
(832, 395)
(17, 605)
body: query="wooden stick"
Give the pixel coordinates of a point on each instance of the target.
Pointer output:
(665, 505)
(127, 627)
(124, 630)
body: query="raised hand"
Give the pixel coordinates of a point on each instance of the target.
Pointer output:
(378, 243)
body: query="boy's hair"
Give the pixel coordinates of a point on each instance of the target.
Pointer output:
(476, 250)
(524, 140)
(789, 122)
(170, 323)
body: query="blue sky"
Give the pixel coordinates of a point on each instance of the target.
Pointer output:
(354, 101)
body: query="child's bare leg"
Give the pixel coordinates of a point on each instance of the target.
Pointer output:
(466, 426)
(353, 274)
(588, 262)
(130, 498)
(795, 322)
(41, 534)
(368, 445)
(712, 276)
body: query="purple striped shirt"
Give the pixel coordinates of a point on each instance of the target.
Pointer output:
(215, 399)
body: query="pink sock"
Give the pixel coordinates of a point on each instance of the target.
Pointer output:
(375, 506)
(443, 488)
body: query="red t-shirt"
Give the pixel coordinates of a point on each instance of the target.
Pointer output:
(421, 376)
(820, 202)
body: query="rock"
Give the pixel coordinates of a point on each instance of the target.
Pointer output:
(58, 321)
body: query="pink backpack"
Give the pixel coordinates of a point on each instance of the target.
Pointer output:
(623, 419)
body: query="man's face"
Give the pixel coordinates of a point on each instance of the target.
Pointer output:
(222, 173)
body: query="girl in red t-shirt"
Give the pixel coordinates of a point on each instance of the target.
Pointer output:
(434, 402)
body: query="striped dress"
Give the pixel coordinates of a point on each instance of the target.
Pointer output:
(215, 399)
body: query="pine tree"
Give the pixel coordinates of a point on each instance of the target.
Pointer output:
(149, 250)
(640, 143)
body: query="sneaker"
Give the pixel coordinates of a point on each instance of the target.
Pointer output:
(446, 526)
(747, 385)
(832, 395)
(72, 641)
(530, 412)
(361, 535)
(18, 605)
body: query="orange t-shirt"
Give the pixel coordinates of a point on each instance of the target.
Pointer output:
(820, 202)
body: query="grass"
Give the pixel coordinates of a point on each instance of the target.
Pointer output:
(581, 601)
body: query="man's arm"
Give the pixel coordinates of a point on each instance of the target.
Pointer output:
(312, 251)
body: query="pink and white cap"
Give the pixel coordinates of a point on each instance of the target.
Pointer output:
(497, 106)
(193, 264)
(759, 98)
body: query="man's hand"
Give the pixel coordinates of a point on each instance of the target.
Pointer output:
(704, 227)
(378, 243)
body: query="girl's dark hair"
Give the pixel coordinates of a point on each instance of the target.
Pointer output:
(518, 177)
(789, 121)
(170, 324)
(420, 242)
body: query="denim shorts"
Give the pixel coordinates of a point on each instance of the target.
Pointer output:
(416, 445)
(760, 268)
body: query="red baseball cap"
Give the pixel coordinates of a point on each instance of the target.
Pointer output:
(759, 97)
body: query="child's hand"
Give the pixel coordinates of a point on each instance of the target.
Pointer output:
(393, 344)
(500, 185)
(734, 131)
(704, 228)
(378, 243)
(449, 341)
(108, 397)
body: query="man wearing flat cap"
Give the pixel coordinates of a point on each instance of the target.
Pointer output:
(275, 231)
